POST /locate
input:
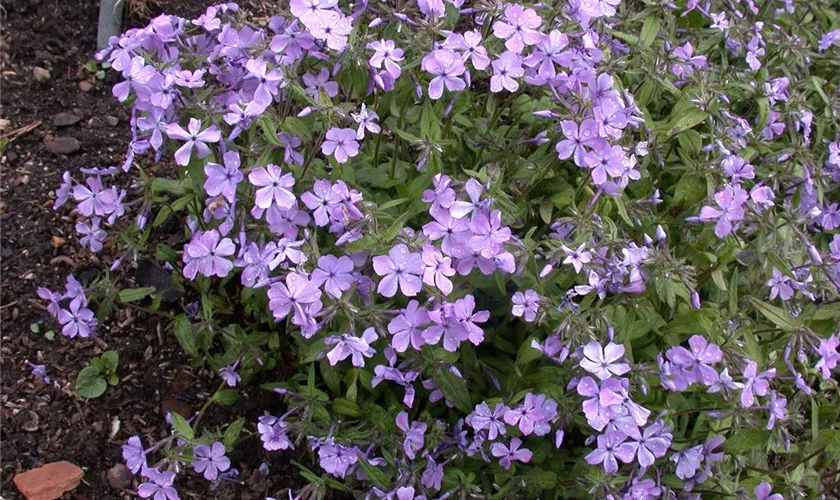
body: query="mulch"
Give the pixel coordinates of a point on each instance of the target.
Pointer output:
(43, 423)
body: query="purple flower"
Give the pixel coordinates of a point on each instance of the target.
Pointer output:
(463, 310)
(447, 67)
(493, 422)
(829, 357)
(329, 26)
(405, 327)
(526, 305)
(77, 320)
(160, 485)
(470, 43)
(350, 346)
(222, 180)
(399, 267)
(322, 200)
(763, 490)
(93, 199)
(533, 415)
(578, 138)
(336, 459)
(134, 455)
(229, 375)
(653, 443)
(39, 371)
(297, 294)
(737, 168)
(452, 230)
(780, 285)
(611, 117)
(755, 383)
(267, 85)
(137, 76)
(519, 28)
(433, 475)
(195, 138)
(388, 55)
(688, 461)
(258, 262)
(695, 363)
(506, 69)
(274, 187)
(437, 270)
(316, 84)
(367, 121)
(414, 433)
(731, 202)
(340, 142)
(207, 253)
(211, 460)
(335, 273)
(92, 235)
(602, 361)
(611, 446)
(778, 409)
(273, 433)
(434, 8)
(511, 453)
(488, 233)
(309, 8)
(578, 257)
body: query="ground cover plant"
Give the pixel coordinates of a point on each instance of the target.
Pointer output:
(556, 250)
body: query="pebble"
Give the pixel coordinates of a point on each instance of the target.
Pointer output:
(119, 477)
(66, 119)
(63, 145)
(112, 120)
(50, 481)
(85, 86)
(170, 405)
(41, 74)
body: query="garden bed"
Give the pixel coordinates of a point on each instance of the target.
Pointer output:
(43, 423)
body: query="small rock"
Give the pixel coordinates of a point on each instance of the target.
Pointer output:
(63, 145)
(112, 120)
(58, 241)
(66, 119)
(170, 405)
(4, 124)
(50, 481)
(41, 74)
(119, 477)
(85, 86)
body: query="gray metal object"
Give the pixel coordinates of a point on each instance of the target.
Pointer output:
(110, 19)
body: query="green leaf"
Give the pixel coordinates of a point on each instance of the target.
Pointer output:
(454, 389)
(90, 383)
(373, 473)
(161, 185)
(184, 332)
(649, 31)
(685, 118)
(232, 433)
(346, 407)
(778, 316)
(226, 397)
(745, 439)
(110, 360)
(134, 294)
(829, 311)
(182, 427)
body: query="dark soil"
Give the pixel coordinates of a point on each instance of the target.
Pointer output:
(41, 422)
